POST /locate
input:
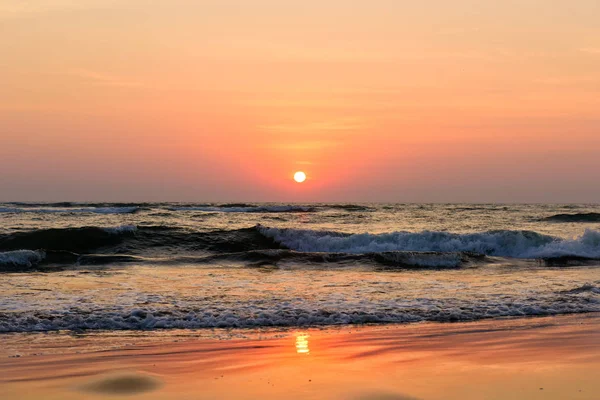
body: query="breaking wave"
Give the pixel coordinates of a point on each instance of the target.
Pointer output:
(260, 245)
(20, 259)
(258, 313)
(517, 244)
(99, 246)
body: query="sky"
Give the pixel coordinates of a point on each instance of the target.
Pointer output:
(223, 100)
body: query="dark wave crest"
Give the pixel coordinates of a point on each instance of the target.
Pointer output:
(99, 246)
(67, 204)
(579, 217)
(68, 239)
(350, 207)
(134, 239)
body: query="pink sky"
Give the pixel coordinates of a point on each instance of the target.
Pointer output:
(380, 100)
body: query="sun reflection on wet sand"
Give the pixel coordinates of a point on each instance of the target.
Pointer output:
(526, 359)
(302, 343)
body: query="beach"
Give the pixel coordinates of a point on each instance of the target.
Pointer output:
(529, 358)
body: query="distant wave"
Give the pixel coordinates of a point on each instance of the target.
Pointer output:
(54, 210)
(128, 208)
(349, 207)
(579, 217)
(247, 209)
(517, 244)
(71, 204)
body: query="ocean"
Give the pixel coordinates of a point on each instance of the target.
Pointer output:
(149, 266)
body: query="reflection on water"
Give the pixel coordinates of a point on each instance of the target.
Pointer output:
(302, 343)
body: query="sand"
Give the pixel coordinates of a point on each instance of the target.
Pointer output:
(534, 358)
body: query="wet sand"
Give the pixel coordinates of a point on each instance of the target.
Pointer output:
(535, 358)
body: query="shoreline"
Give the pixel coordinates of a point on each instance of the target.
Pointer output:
(25, 343)
(542, 357)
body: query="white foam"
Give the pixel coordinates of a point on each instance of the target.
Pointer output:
(22, 258)
(286, 314)
(121, 229)
(519, 244)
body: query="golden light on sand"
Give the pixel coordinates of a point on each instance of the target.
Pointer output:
(299, 176)
(302, 343)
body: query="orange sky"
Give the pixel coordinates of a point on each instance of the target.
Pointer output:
(222, 100)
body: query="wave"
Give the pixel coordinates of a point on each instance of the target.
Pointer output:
(396, 259)
(349, 207)
(150, 244)
(287, 259)
(587, 288)
(246, 209)
(66, 239)
(57, 210)
(257, 208)
(262, 313)
(262, 245)
(20, 259)
(71, 204)
(142, 241)
(57, 204)
(128, 208)
(503, 243)
(579, 217)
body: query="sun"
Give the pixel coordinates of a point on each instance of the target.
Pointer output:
(299, 176)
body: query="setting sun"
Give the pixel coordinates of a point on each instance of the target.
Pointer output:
(299, 176)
